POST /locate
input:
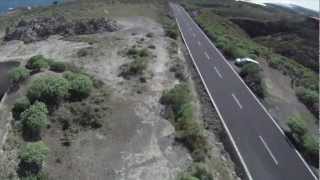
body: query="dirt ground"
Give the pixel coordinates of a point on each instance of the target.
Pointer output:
(282, 102)
(135, 141)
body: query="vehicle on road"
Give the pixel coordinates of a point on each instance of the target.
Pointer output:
(244, 61)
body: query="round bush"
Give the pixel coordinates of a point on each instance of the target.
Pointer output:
(57, 66)
(35, 118)
(80, 85)
(20, 105)
(49, 89)
(34, 153)
(37, 63)
(18, 74)
(32, 156)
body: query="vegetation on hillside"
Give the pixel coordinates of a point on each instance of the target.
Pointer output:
(235, 43)
(46, 93)
(307, 143)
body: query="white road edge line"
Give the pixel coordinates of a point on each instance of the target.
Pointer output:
(237, 100)
(218, 72)
(275, 123)
(268, 149)
(218, 111)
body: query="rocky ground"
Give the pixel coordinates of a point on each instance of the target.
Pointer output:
(135, 141)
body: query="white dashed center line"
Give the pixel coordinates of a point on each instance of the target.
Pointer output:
(218, 72)
(269, 151)
(206, 54)
(199, 43)
(237, 100)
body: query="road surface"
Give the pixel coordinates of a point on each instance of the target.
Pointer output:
(258, 140)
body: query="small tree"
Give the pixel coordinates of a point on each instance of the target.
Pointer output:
(49, 89)
(80, 85)
(18, 74)
(37, 63)
(32, 156)
(20, 105)
(34, 119)
(297, 126)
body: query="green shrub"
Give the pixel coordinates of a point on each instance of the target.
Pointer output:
(34, 153)
(309, 98)
(138, 53)
(236, 52)
(177, 97)
(252, 77)
(32, 156)
(37, 63)
(18, 75)
(20, 105)
(34, 119)
(136, 67)
(310, 145)
(57, 66)
(197, 171)
(80, 85)
(48, 89)
(172, 33)
(297, 126)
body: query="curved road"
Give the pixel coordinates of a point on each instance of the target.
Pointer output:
(258, 140)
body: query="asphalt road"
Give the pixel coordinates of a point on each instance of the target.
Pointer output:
(258, 140)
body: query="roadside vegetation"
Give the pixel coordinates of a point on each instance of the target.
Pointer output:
(179, 111)
(251, 74)
(305, 141)
(43, 97)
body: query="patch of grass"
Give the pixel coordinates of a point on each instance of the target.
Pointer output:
(138, 65)
(197, 171)
(178, 102)
(138, 53)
